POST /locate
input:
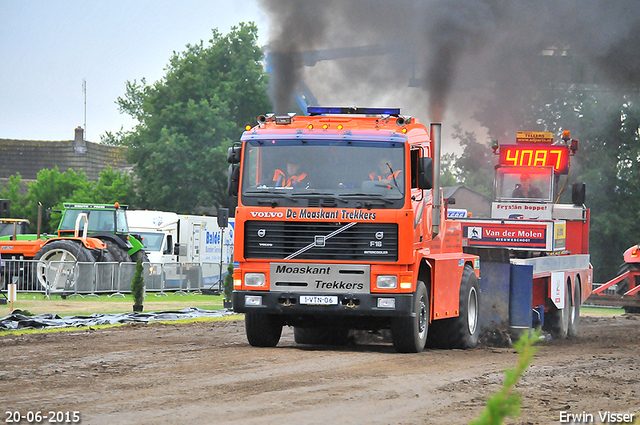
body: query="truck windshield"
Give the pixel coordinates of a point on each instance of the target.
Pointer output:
(345, 171)
(152, 241)
(524, 184)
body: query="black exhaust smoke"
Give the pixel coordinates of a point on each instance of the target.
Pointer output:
(451, 45)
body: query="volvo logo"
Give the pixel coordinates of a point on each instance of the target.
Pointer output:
(379, 235)
(262, 233)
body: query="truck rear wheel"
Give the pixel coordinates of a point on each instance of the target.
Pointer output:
(462, 331)
(574, 315)
(409, 334)
(326, 335)
(557, 320)
(263, 330)
(57, 263)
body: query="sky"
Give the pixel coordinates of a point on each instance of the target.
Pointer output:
(47, 49)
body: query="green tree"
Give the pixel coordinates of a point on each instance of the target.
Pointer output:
(188, 120)
(52, 189)
(475, 164)
(13, 193)
(448, 170)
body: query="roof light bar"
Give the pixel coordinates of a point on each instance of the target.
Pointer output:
(321, 110)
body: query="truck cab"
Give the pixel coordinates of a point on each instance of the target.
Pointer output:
(339, 226)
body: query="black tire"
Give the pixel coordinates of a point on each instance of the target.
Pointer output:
(409, 334)
(557, 320)
(462, 331)
(141, 255)
(118, 254)
(574, 313)
(321, 336)
(623, 286)
(60, 275)
(263, 330)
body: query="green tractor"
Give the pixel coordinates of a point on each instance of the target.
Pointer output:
(107, 223)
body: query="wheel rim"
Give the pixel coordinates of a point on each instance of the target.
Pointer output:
(423, 319)
(472, 310)
(55, 267)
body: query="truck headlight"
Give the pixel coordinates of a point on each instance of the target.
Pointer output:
(254, 279)
(387, 282)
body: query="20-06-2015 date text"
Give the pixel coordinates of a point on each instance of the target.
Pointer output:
(36, 417)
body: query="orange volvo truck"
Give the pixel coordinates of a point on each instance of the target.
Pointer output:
(340, 226)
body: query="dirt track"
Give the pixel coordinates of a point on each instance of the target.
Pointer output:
(207, 373)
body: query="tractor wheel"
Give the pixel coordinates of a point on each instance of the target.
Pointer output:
(557, 320)
(263, 330)
(462, 331)
(140, 255)
(326, 335)
(118, 254)
(623, 286)
(574, 313)
(56, 268)
(409, 334)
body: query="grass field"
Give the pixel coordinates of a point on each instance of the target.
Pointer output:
(38, 304)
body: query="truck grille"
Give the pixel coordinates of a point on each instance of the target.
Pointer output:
(361, 242)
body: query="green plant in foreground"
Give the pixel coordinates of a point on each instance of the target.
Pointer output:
(228, 282)
(506, 402)
(137, 284)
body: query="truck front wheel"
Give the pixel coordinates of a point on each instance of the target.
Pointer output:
(263, 330)
(409, 334)
(462, 331)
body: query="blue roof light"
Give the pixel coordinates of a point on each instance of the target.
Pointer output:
(321, 110)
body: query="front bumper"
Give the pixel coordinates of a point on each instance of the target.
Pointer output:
(354, 305)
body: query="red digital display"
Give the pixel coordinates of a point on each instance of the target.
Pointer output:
(536, 156)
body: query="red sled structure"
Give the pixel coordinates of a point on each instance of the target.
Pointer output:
(627, 284)
(534, 252)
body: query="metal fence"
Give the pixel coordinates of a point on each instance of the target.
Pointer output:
(92, 279)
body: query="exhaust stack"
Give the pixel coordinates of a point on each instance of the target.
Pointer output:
(436, 142)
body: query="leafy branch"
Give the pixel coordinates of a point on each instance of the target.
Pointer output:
(506, 402)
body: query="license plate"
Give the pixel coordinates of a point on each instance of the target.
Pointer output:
(318, 300)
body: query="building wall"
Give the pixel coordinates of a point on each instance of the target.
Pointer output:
(28, 157)
(469, 199)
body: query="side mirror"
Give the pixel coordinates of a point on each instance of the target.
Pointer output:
(451, 201)
(578, 193)
(176, 249)
(233, 179)
(425, 173)
(233, 154)
(168, 250)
